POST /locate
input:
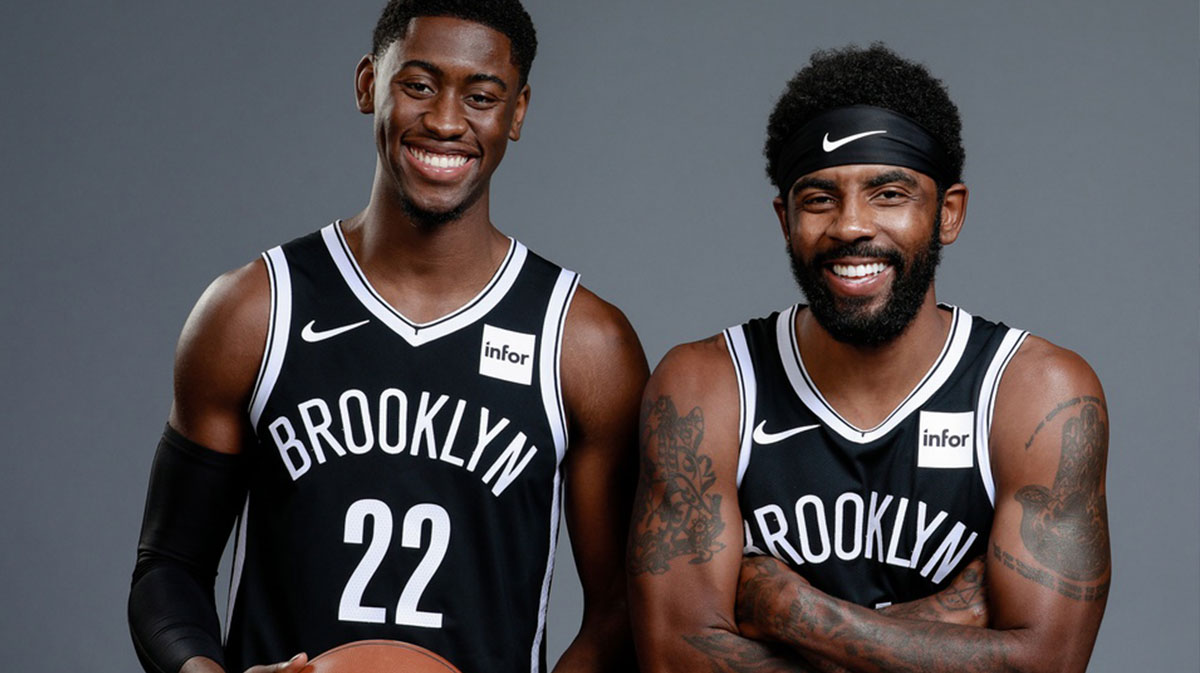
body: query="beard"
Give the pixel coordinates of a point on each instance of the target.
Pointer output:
(849, 319)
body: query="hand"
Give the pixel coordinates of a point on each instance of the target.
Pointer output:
(962, 602)
(761, 584)
(294, 665)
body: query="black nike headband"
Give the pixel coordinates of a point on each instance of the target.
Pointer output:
(860, 134)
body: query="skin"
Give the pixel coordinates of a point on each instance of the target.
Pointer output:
(449, 87)
(1034, 602)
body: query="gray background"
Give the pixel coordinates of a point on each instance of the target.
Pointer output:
(146, 147)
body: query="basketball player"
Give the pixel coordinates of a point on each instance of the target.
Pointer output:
(914, 488)
(390, 406)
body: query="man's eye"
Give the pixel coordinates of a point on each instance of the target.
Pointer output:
(418, 87)
(481, 100)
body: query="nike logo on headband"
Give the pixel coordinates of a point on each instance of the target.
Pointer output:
(830, 146)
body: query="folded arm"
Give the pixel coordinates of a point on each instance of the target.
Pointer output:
(1047, 565)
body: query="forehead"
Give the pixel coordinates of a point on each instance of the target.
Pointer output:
(453, 45)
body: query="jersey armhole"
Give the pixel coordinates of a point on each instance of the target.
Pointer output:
(739, 352)
(987, 404)
(277, 332)
(550, 356)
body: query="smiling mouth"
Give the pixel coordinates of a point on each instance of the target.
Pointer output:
(858, 271)
(437, 160)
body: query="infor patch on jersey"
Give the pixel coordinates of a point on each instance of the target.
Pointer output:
(507, 355)
(946, 439)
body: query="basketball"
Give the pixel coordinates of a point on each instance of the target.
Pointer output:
(379, 656)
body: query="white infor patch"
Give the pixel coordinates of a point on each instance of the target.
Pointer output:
(507, 355)
(946, 439)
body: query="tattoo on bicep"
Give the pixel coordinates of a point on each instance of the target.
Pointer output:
(675, 511)
(1065, 527)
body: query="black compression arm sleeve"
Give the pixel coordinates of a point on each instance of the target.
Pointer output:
(194, 496)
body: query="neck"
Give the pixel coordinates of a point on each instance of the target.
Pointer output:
(866, 383)
(423, 270)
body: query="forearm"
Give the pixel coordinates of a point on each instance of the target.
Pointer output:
(720, 651)
(866, 641)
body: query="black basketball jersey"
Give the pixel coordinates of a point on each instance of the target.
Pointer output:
(874, 516)
(406, 478)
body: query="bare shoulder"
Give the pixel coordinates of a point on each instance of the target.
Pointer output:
(1046, 390)
(596, 326)
(603, 366)
(218, 356)
(696, 382)
(700, 369)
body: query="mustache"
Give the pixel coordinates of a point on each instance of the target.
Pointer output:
(893, 257)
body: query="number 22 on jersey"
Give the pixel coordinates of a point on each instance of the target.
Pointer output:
(351, 608)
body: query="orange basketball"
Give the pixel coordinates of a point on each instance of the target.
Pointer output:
(379, 656)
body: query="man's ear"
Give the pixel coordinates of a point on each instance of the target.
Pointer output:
(781, 212)
(364, 85)
(514, 131)
(954, 212)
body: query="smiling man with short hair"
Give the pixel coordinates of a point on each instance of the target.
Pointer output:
(389, 407)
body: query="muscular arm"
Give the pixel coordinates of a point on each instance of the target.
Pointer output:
(216, 363)
(685, 545)
(603, 372)
(1048, 564)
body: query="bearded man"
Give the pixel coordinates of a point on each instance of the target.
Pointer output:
(873, 481)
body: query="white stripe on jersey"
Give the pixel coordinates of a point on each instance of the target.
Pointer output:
(743, 367)
(806, 390)
(987, 404)
(421, 333)
(278, 327)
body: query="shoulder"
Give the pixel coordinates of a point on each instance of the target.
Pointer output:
(219, 352)
(594, 325)
(1045, 391)
(603, 365)
(693, 368)
(1041, 371)
(234, 309)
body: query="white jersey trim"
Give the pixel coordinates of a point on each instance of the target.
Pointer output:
(536, 650)
(415, 333)
(239, 561)
(550, 356)
(987, 406)
(278, 326)
(743, 367)
(806, 390)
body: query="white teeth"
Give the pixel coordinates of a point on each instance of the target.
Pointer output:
(859, 270)
(439, 160)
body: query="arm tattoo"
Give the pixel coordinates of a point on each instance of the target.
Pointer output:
(1065, 526)
(1047, 579)
(729, 653)
(685, 518)
(963, 599)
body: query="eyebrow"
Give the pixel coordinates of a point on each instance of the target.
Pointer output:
(814, 183)
(894, 175)
(477, 77)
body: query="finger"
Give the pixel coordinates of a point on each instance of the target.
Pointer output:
(295, 664)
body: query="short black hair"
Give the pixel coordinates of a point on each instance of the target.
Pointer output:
(875, 76)
(505, 16)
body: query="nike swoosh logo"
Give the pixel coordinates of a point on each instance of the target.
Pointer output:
(830, 146)
(763, 437)
(312, 336)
